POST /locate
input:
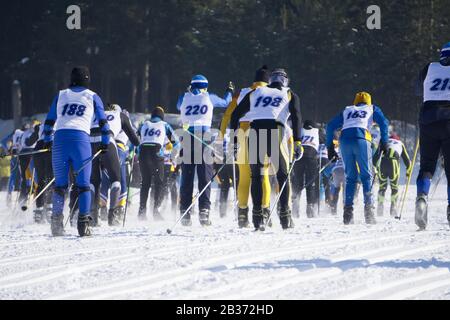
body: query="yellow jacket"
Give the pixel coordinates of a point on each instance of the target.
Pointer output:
(5, 171)
(232, 106)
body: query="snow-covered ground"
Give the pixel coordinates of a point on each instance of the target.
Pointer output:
(319, 259)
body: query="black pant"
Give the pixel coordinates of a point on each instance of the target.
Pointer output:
(44, 173)
(152, 171)
(24, 162)
(204, 173)
(265, 140)
(110, 162)
(306, 175)
(389, 174)
(434, 138)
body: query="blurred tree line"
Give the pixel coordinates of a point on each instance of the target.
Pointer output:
(143, 53)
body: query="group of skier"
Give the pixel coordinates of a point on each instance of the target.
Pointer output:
(262, 145)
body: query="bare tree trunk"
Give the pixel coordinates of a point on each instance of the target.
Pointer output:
(145, 85)
(134, 89)
(16, 94)
(165, 98)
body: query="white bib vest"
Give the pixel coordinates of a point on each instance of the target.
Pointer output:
(436, 86)
(395, 145)
(122, 137)
(75, 110)
(153, 133)
(24, 137)
(197, 110)
(310, 137)
(269, 103)
(358, 117)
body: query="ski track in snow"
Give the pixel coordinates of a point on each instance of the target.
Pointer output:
(319, 259)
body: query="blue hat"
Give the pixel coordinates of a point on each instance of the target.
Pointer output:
(445, 52)
(199, 82)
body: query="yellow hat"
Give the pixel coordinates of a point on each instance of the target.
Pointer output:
(363, 97)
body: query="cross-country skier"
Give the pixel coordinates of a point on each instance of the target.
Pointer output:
(389, 172)
(196, 107)
(434, 130)
(268, 109)
(356, 150)
(154, 132)
(306, 170)
(72, 113)
(261, 79)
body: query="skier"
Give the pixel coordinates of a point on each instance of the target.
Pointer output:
(268, 109)
(44, 174)
(389, 172)
(72, 113)
(117, 121)
(261, 79)
(154, 133)
(306, 170)
(434, 123)
(196, 107)
(356, 151)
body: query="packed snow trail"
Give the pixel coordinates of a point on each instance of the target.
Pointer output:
(319, 259)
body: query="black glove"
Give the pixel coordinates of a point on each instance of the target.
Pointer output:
(103, 148)
(332, 154)
(383, 148)
(230, 87)
(47, 145)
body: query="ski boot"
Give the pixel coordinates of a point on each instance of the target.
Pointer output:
(114, 216)
(39, 215)
(83, 226)
(380, 210)
(348, 215)
(186, 219)
(103, 213)
(369, 214)
(243, 218)
(310, 210)
(57, 225)
(142, 214)
(393, 210)
(421, 216)
(94, 218)
(258, 219)
(286, 219)
(448, 214)
(157, 215)
(266, 214)
(204, 217)
(295, 208)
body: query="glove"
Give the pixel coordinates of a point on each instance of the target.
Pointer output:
(104, 144)
(231, 87)
(36, 129)
(409, 171)
(332, 154)
(298, 150)
(383, 147)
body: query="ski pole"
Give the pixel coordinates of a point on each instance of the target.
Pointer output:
(128, 188)
(25, 153)
(196, 197)
(278, 196)
(72, 211)
(204, 143)
(409, 179)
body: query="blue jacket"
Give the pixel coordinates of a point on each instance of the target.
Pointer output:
(357, 133)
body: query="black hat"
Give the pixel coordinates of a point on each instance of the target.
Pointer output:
(158, 112)
(309, 124)
(80, 77)
(262, 74)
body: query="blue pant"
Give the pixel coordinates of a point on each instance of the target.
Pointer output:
(71, 149)
(357, 152)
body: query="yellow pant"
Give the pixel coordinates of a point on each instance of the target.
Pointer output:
(245, 173)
